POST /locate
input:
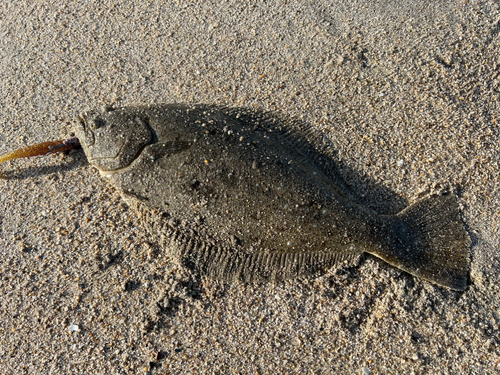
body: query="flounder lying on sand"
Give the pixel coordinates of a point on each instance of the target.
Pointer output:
(238, 194)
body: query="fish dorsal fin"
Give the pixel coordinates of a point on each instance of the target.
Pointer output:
(300, 136)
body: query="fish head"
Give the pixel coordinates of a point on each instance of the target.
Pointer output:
(113, 139)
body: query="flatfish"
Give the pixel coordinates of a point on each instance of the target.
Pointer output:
(240, 194)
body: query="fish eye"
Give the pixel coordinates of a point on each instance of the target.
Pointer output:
(87, 132)
(99, 123)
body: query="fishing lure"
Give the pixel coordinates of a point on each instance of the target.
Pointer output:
(41, 149)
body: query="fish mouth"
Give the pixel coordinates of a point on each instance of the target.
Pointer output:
(110, 171)
(84, 133)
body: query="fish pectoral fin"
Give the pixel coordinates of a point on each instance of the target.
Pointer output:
(165, 149)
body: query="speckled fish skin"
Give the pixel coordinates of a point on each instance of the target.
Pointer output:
(239, 194)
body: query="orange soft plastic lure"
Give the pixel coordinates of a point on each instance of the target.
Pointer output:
(44, 148)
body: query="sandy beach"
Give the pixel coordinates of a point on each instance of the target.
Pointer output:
(408, 93)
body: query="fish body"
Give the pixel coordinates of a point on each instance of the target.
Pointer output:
(240, 194)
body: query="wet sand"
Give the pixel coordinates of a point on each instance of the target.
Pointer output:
(407, 92)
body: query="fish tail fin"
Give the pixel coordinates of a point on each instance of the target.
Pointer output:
(429, 240)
